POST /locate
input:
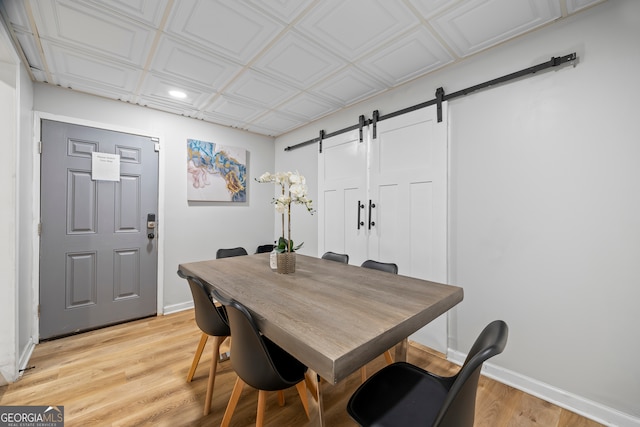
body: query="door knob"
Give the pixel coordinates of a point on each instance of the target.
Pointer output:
(151, 225)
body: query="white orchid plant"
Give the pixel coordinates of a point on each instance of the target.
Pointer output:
(294, 191)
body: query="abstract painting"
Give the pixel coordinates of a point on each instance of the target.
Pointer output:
(216, 172)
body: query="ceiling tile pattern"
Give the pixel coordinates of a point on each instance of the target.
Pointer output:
(263, 66)
(471, 27)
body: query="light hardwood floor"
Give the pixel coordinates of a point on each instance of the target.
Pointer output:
(134, 374)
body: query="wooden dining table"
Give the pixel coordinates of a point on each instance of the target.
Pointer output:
(333, 317)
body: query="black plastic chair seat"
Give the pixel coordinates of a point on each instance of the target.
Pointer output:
(260, 362)
(231, 252)
(211, 324)
(401, 394)
(389, 267)
(332, 256)
(264, 249)
(291, 370)
(214, 327)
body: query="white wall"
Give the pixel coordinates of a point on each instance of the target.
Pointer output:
(15, 299)
(8, 210)
(26, 220)
(188, 231)
(544, 206)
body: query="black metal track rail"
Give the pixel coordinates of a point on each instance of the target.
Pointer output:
(440, 97)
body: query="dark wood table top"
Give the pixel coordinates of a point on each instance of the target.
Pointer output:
(333, 317)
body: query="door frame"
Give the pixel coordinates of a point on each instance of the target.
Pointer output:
(38, 116)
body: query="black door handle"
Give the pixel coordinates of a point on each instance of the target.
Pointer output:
(371, 206)
(360, 206)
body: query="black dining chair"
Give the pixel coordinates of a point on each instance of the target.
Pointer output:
(264, 249)
(212, 321)
(231, 252)
(259, 362)
(332, 256)
(403, 394)
(389, 267)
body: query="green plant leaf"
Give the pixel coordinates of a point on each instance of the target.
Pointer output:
(282, 245)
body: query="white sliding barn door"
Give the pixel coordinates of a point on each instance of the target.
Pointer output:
(342, 174)
(397, 183)
(408, 186)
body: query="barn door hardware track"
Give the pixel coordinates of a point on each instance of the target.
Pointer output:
(439, 99)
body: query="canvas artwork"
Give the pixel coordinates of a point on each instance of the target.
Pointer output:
(216, 172)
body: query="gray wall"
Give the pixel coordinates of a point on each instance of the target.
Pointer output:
(544, 215)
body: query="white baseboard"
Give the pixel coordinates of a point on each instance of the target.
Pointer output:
(26, 355)
(23, 362)
(572, 402)
(175, 308)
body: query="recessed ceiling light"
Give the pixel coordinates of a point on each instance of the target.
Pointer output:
(177, 94)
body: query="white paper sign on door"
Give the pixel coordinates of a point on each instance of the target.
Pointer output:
(105, 166)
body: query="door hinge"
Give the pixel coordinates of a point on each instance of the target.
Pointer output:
(156, 146)
(39, 229)
(38, 310)
(39, 147)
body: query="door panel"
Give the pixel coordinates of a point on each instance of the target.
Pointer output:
(385, 240)
(80, 279)
(82, 215)
(127, 214)
(333, 220)
(410, 156)
(126, 282)
(97, 265)
(343, 184)
(421, 248)
(404, 146)
(408, 184)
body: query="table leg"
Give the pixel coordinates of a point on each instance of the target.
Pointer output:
(401, 351)
(315, 392)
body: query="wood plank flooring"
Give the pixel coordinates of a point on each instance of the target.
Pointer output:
(134, 374)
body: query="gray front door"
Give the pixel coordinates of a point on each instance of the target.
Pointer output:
(98, 258)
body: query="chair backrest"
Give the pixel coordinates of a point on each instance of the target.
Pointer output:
(264, 249)
(389, 267)
(332, 256)
(210, 319)
(256, 359)
(228, 253)
(459, 407)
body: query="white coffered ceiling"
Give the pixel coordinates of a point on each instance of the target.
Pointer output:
(266, 66)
